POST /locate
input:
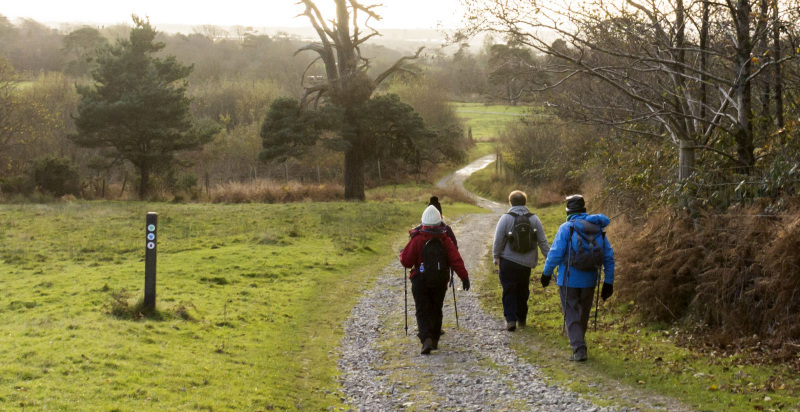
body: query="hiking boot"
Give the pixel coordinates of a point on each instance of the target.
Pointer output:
(427, 346)
(579, 356)
(511, 326)
(435, 344)
(522, 323)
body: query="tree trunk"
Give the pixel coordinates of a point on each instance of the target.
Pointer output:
(704, 62)
(763, 47)
(353, 157)
(354, 174)
(686, 159)
(776, 54)
(743, 88)
(144, 172)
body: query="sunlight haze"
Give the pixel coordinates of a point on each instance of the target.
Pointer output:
(397, 14)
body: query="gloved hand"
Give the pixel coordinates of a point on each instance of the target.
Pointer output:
(465, 284)
(608, 290)
(545, 280)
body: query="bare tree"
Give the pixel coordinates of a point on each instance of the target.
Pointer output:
(675, 69)
(211, 31)
(347, 83)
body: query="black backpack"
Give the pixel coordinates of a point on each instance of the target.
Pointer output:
(522, 237)
(434, 269)
(589, 255)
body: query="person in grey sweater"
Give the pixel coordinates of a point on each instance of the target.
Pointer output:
(515, 254)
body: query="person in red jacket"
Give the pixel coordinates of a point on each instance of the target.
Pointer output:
(429, 297)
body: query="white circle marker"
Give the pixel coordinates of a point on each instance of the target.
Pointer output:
(151, 236)
(151, 227)
(151, 245)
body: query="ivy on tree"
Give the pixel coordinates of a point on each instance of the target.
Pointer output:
(137, 109)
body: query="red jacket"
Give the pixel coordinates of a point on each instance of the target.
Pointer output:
(411, 256)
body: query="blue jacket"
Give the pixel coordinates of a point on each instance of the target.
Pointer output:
(559, 253)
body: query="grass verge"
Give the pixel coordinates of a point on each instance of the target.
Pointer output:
(643, 357)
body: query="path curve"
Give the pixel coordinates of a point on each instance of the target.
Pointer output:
(474, 369)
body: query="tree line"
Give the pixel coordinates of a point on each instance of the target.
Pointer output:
(229, 83)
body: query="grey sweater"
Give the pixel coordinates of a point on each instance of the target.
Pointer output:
(501, 248)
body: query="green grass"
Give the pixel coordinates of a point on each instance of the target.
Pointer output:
(488, 121)
(481, 149)
(644, 357)
(250, 302)
(488, 184)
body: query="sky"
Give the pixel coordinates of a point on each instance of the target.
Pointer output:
(397, 14)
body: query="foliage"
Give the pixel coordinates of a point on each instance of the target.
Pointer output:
(236, 103)
(135, 109)
(80, 46)
(396, 134)
(9, 107)
(288, 131)
(55, 175)
(430, 100)
(539, 153)
(16, 185)
(510, 70)
(30, 46)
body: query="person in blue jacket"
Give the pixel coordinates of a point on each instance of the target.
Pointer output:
(576, 287)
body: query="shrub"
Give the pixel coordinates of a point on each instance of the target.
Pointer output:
(16, 185)
(55, 175)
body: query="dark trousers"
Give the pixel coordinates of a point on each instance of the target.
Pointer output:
(428, 301)
(577, 304)
(516, 281)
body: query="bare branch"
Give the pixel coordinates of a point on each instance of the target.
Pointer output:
(396, 66)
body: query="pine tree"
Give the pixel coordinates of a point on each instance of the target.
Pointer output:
(138, 109)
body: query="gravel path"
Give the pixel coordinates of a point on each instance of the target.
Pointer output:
(474, 369)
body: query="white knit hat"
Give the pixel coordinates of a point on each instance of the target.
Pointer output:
(431, 216)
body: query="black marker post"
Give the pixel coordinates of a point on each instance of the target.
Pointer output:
(151, 223)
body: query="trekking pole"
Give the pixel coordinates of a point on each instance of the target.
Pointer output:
(597, 298)
(566, 282)
(405, 276)
(453, 284)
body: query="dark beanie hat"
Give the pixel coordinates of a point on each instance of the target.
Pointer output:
(575, 204)
(435, 203)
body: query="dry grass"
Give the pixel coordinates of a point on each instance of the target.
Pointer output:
(270, 191)
(418, 194)
(736, 276)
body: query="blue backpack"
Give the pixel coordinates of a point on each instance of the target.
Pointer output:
(589, 255)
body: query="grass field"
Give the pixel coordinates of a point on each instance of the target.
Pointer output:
(644, 357)
(488, 121)
(250, 301)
